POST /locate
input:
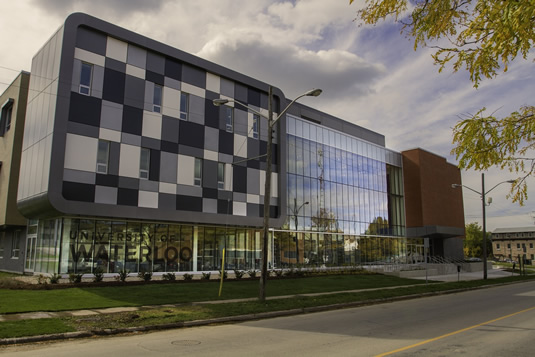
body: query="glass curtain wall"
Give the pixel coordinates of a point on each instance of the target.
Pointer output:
(345, 200)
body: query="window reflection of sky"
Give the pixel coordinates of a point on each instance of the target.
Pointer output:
(351, 174)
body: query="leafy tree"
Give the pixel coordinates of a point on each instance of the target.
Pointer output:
(473, 245)
(483, 37)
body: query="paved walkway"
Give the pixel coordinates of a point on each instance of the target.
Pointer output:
(492, 274)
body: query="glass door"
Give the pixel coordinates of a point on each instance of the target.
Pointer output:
(31, 241)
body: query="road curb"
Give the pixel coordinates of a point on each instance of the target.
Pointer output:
(229, 319)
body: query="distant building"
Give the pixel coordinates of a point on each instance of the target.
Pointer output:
(12, 223)
(512, 243)
(127, 164)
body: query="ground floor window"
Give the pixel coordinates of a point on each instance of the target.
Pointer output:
(83, 245)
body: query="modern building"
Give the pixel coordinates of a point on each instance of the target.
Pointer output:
(12, 223)
(514, 243)
(128, 164)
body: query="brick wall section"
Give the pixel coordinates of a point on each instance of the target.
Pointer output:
(429, 198)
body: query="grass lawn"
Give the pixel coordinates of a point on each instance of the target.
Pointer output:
(168, 315)
(15, 301)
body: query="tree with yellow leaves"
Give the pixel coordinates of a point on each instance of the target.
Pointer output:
(484, 37)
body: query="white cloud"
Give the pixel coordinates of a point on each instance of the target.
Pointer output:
(370, 75)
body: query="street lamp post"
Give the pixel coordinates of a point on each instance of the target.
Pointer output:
(295, 211)
(483, 207)
(269, 159)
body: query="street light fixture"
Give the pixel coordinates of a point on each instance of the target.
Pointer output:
(483, 205)
(267, 190)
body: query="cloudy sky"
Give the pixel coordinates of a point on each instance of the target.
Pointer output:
(370, 75)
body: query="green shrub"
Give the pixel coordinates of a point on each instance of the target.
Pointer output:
(188, 277)
(206, 276)
(224, 274)
(252, 273)
(169, 277)
(238, 273)
(145, 275)
(123, 274)
(54, 279)
(98, 275)
(278, 273)
(75, 278)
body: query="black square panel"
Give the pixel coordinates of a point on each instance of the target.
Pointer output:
(211, 114)
(127, 197)
(194, 75)
(169, 147)
(226, 142)
(154, 77)
(188, 203)
(107, 180)
(91, 41)
(113, 90)
(209, 193)
(132, 120)
(239, 179)
(154, 170)
(85, 109)
(74, 191)
(173, 69)
(253, 97)
(170, 129)
(224, 206)
(191, 134)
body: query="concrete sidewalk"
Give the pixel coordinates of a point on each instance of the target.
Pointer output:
(462, 276)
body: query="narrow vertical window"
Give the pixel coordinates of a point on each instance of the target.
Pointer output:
(197, 175)
(229, 119)
(144, 164)
(103, 155)
(85, 78)
(5, 116)
(15, 245)
(256, 123)
(157, 99)
(221, 176)
(184, 107)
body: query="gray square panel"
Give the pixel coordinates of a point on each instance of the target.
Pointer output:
(186, 190)
(146, 185)
(155, 63)
(134, 92)
(241, 125)
(239, 197)
(150, 143)
(115, 65)
(149, 94)
(194, 76)
(253, 181)
(172, 83)
(106, 195)
(196, 109)
(79, 176)
(111, 115)
(253, 210)
(136, 56)
(170, 129)
(226, 158)
(240, 93)
(167, 201)
(131, 139)
(82, 129)
(168, 167)
(115, 154)
(209, 205)
(128, 182)
(211, 138)
(209, 174)
(227, 87)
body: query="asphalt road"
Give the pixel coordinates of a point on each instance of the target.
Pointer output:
(498, 321)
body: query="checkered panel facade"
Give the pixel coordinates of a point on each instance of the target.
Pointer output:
(147, 104)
